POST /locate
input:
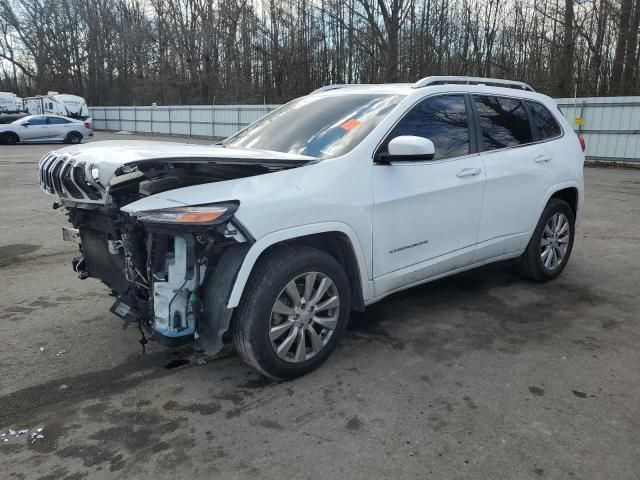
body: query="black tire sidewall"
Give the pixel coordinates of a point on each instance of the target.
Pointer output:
(9, 138)
(73, 135)
(553, 207)
(255, 313)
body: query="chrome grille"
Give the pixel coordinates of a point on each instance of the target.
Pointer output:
(79, 177)
(66, 178)
(67, 183)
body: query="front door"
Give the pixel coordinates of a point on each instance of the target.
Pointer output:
(426, 213)
(36, 130)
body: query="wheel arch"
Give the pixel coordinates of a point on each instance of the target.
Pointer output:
(569, 195)
(567, 191)
(15, 134)
(336, 239)
(67, 138)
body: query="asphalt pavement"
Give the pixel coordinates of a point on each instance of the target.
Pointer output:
(483, 375)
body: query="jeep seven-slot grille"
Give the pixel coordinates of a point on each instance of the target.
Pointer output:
(64, 177)
(67, 183)
(78, 176)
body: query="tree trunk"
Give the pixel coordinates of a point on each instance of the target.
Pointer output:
(565, 77)
(630, 66)
(621, 47)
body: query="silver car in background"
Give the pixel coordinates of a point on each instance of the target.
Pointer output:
(45, 129)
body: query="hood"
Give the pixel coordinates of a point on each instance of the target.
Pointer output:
(110, 155)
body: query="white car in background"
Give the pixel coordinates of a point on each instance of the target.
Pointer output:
(267, 241)
(45, 129)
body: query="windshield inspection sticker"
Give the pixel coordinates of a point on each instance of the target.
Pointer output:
(350, 124)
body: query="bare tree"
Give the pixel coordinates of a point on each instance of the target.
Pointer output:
(222, 51)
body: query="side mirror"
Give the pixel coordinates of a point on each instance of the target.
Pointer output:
(26, 124)
(409, 147)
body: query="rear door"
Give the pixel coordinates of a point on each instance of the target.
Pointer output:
(58, 127)
(519, 172)
(426, 212)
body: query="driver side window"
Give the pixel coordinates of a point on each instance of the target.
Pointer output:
(443, 120)
(38, 121)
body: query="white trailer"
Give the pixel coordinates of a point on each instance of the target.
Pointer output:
(10, 103)
(56, 103)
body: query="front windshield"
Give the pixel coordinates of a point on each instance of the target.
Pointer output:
(317, 125)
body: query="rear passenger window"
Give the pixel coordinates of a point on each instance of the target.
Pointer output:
(544, 121)
(57, 121)
(503, 122)
(441, 119)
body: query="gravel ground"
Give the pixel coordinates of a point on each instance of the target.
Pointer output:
(483, 375)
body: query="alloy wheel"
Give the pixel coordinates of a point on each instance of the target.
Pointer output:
(304, 317)
(555, 241)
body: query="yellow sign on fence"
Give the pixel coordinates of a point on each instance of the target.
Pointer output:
(579, 121)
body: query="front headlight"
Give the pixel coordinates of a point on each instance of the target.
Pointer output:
(198, 216)
(95, 173)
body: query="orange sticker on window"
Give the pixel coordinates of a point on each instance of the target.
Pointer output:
(350, 124)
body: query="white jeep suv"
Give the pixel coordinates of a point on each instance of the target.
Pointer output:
(268, 240)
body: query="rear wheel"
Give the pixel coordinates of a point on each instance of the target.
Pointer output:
(294, 310)
(551, 243)
(74, 138)
(9, 138)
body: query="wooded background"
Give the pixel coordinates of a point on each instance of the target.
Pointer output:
(134, 52)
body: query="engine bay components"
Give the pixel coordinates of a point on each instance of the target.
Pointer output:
(175, 300)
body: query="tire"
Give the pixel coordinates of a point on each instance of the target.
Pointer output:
(9, 138)
(534, 262)
(73, 138)
(255, 318)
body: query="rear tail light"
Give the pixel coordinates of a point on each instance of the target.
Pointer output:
(87, 125)
(583, 144)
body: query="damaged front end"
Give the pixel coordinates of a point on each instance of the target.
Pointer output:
(171, 269)
(162, 265)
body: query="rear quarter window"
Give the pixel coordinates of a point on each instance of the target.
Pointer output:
(544, 121)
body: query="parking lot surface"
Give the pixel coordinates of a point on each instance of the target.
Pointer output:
(483, 375)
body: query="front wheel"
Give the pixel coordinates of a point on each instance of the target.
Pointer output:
(551, 243)
(9, 138)
(294, 310)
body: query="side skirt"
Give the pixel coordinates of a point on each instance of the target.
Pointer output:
(507, 256)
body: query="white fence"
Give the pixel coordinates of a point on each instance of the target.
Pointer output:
(192, 120)
(610, 125)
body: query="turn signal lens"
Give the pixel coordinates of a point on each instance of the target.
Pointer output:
(200, 217)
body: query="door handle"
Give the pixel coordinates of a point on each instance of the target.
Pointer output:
(543, 159)
(468, 172)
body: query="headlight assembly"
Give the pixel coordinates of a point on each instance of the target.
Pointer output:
(193, 217)
(95, 173)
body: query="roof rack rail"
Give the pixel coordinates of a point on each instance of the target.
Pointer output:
(335, 86)
(443, 80)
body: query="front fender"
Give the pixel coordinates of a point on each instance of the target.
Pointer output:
(291, 233)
